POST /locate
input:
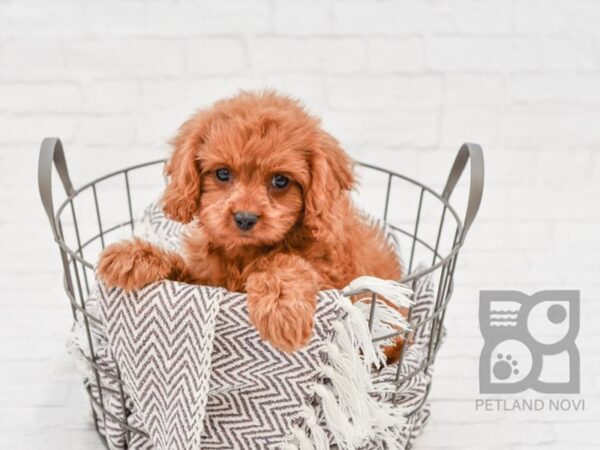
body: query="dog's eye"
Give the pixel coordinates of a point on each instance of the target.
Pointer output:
(280, 181)
(223, 174)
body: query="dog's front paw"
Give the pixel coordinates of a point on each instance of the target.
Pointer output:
(133, 264)
(282, 308)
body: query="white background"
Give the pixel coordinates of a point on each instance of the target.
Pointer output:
(400, 83)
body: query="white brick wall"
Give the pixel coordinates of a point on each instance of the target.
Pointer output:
(400, 83)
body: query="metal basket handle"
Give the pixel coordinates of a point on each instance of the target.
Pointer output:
(475, 154)
(51, 151)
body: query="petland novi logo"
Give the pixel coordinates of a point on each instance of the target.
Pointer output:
(529, 343)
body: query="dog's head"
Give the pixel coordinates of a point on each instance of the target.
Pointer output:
(254, 167)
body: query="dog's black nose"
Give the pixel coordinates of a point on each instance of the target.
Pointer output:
(245, 220)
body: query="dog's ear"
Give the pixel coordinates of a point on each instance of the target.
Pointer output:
(181, 199)
(331, 177)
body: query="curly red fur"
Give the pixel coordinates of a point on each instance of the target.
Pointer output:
(308, 235)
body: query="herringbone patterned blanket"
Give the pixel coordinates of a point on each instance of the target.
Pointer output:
(196, 374)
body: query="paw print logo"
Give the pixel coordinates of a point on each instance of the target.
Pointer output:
(529, 342)
(505, 367)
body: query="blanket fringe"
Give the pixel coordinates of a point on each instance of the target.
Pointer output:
(317, 433)
(78, 350)
(357, 331)
(348, 411)
(391, 290)
(388, 318)
(304, 442)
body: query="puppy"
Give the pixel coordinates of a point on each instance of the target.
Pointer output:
(267, 190)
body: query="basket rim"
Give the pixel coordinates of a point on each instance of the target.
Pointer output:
(409, 277)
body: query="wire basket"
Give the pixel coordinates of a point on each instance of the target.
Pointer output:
(102, 211)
